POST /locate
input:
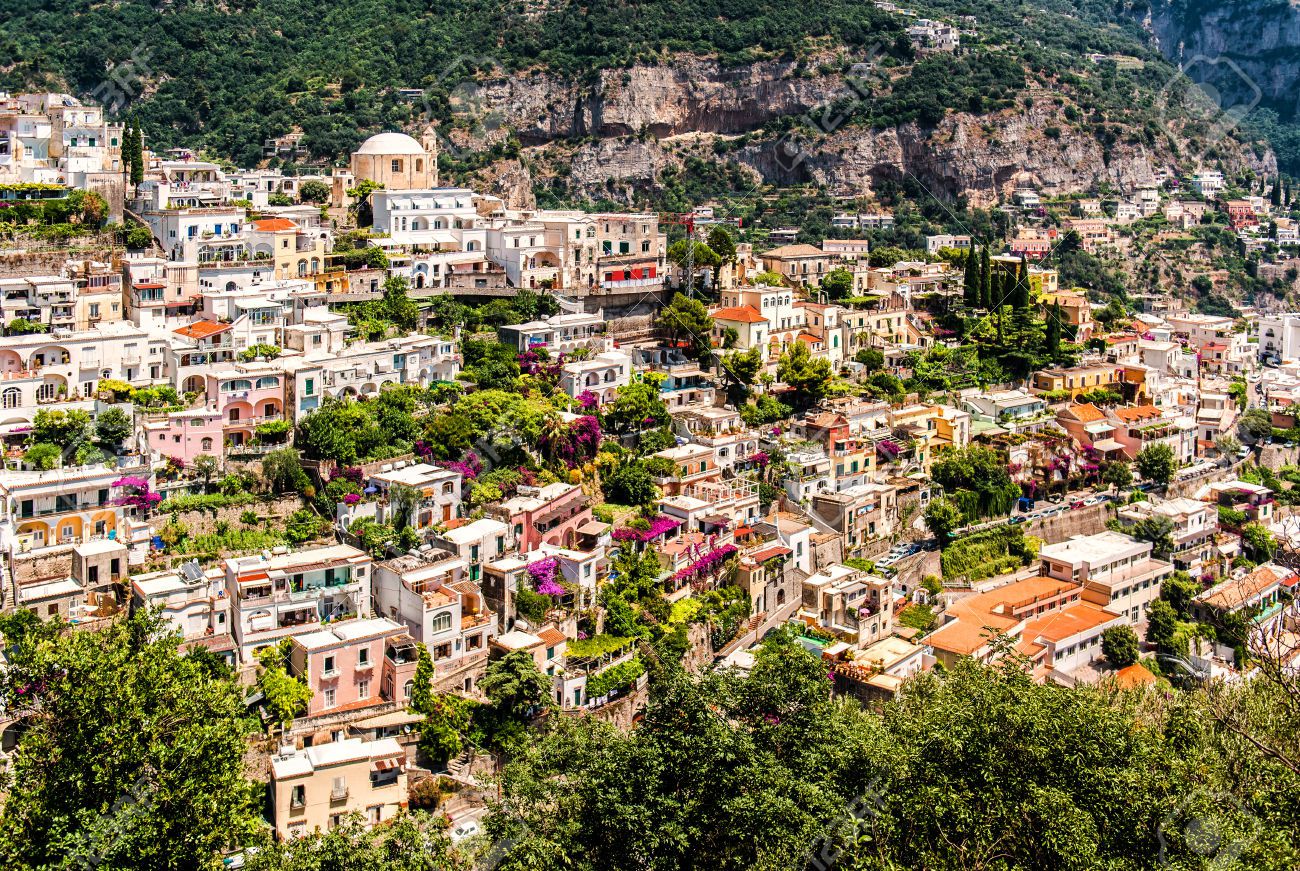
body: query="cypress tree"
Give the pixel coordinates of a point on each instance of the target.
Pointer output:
(971, 281)
(137, 153)
(986, 279)
(1054, 331)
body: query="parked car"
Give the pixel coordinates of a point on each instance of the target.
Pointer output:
(467, 829)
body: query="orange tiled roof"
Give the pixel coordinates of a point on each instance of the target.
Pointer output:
(744, 314)
(1133, 676)
(202, 329)
(552, 636)
(271, 225)
(1086, 412)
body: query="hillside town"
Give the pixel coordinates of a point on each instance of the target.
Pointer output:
(384, 449)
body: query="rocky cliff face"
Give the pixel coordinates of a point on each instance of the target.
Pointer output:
(1248, 50)
(613, 136)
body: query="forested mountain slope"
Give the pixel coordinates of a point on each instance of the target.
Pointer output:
(608, 101)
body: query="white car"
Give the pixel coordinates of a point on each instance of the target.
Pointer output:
(467, 829)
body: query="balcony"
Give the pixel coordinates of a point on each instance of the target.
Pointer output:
(338, 793)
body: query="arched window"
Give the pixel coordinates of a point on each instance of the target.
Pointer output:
(419, 165)
(238, 384)
(441, 622)
(205, 445)
(13, 398)
(268, 381)
(230, 285)
(406, 690)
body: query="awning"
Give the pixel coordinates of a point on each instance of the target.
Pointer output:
(387, 764)
(1107, 445)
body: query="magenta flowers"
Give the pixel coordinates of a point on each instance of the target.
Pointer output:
(545, 573)
(661, 525)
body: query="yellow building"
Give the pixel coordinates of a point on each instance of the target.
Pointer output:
(1080, 379)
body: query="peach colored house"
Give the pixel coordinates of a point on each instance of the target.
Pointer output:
(314, 789)
(343, 664)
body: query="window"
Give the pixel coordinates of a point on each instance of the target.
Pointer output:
(298, 796)
(339, 788)
(441, 622)
(363, 656)
(329, 697)
(206, 445)
(330, 666)
(363, 689)
(375, 813)
(309, 387)
(397, 165)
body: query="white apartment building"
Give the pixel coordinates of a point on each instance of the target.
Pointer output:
(1117, 572)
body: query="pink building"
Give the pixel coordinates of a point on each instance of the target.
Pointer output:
(187, 434)
(347, 667)
(551, 514)
(246, 397)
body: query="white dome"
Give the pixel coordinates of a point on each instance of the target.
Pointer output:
(391, 143)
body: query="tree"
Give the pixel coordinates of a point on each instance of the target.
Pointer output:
(517, 691)
(687, 320)
(404, 313)
(312, 191)
(986, 279)
(303, 525)
(67, 429)
(1117, 474)
(410, 841)
(810, 377)
(1157, 529)
(838, 284)
(283, 472)
(944, 518)
(722, 244)
(403, 499)
(1259, 542)
(630, 484)
(130, 755)
(43, 456)
(1119, 644)
(636, 407)
(871, 358)
(1052, 343)
(768, 279)
(1179, 590)
(971, 279)
(1162, 626)
(113, 427)
(205, 466)
(1227, 445)
(283, 695)
(1255, 425)
(742, 367)
(24, 327)
(1156, 463)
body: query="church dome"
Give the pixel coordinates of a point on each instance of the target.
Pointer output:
(391, 143)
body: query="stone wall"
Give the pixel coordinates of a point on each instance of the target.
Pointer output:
(1079, 521)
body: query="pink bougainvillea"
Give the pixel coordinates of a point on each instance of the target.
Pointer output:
(711, 561)
(661, 525)
(351, 498)
(138, 493)
(544, 573)
(587, 400)
(469, 468)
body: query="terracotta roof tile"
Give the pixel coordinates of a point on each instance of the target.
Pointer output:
(745, 314)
